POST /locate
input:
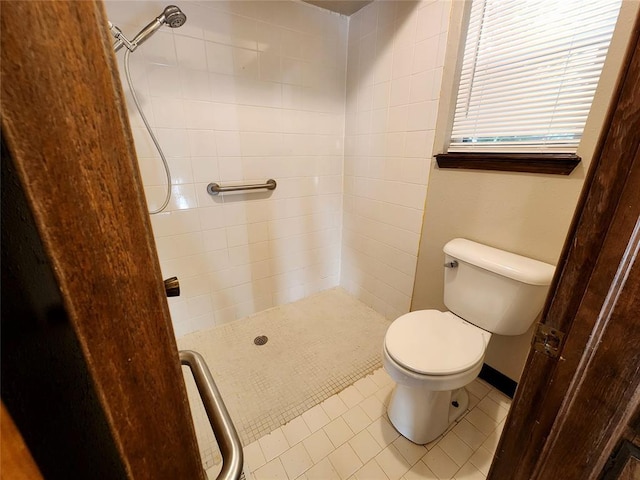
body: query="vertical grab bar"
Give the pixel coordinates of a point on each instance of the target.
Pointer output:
(223, 429)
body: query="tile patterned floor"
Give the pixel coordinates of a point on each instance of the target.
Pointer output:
(317, 347)
(349, 437)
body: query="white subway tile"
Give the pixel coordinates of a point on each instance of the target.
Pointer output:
(199, 305)
(202, 143)
(245, 62)
(161, 51)
(219, 58)
(195, 85)
(190, 53)
(174, 223)
(174, 142)
(199, 115)
(182, 197)
(168, 112)
(164, 81)
(403, 61)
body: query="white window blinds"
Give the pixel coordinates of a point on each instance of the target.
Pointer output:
(529, 73)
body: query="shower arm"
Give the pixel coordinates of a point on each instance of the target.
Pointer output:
(139, 39)
(121, 39)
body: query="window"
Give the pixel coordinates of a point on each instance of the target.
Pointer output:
(529, 74)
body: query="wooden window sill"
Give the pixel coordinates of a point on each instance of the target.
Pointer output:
(549, 163)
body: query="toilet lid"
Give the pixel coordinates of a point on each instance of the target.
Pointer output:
(435, 343)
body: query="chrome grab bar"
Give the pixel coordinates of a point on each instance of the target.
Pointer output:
(215, 189)
(223, 429)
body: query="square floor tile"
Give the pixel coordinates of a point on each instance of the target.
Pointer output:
(478, 388)
(253, 456)
(350, 396)
(365, 446)
(271, 471)
(345, 461)
(491, 443)
(384, 394)
(382, 432)
(357, 419)
(440, 463)
(273, 444)
(469, 434)
(295, 431)
(482, 459)
(373, 407)
(500, 398)
(318, 445)
(381, 378)
(296, 461)
(366, 386)
(334, 407)
(315, 418)
(492, 409)
(338, 431)
(456, 448)
(371, 471)
(473, 401)
(420, 471)
(392, 463)
(323, 470)
(469, 472)
(481, 421)
(410, 451)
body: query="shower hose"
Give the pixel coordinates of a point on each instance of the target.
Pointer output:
(127, 73)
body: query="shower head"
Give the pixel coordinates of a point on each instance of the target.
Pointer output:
(171, 16)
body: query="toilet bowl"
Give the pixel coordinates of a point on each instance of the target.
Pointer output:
(431, 355)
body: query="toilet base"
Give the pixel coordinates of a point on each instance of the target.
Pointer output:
(423, 415)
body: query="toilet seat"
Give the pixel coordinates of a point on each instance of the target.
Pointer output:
(431, 342)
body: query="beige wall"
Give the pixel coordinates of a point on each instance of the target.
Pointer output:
(524, 213)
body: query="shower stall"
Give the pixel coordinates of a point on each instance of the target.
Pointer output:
(234, 100)
(249, 91)
(326, 107)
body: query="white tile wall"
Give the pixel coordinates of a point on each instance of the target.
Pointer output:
(244, 91)
(394, 70)
(339, 111)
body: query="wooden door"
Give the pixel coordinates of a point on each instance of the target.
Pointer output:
(90, 368)
(576, 407)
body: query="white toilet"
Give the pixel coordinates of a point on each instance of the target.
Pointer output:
(432, 355)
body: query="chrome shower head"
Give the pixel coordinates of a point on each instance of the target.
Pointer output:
(171, 16)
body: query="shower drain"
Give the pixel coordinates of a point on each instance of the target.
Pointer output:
(260, 340)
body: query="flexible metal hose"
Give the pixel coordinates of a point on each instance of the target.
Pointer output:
(153, 137)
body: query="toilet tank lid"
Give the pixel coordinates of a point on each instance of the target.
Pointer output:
(510, 265)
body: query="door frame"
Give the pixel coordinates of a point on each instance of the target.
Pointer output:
(548, 430)
(65, 126)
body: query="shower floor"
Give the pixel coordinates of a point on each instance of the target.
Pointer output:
(316, 347)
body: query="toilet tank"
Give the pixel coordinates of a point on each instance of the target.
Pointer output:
(498, 291)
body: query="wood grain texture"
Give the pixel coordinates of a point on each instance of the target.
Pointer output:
(44, 380)
(607, 377)
(64, 121)
(545, 163)
(16, 462)
(544, 386)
